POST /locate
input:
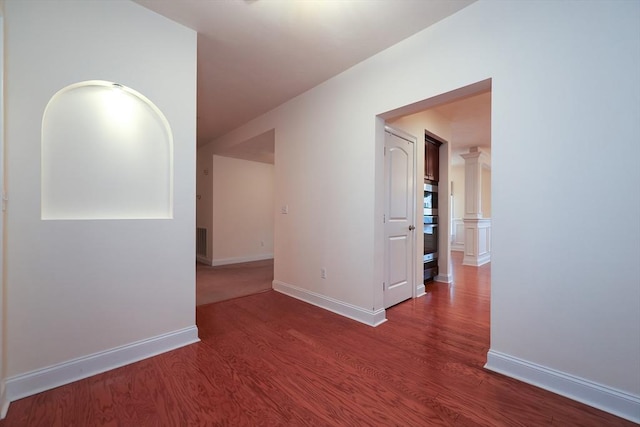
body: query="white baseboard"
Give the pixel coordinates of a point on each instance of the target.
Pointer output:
(455, 247)
(605, 398)
(368, 317)
(420, 290)
(238, 260)
(4, 402)
(50, 377)
(476, 262)
(443, 278)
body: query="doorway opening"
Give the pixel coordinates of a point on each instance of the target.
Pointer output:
(462, 120)
(235, 219)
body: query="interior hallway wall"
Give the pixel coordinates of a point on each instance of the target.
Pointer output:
(3, 333)
(329, 155)
(243, 211)
(77, 289)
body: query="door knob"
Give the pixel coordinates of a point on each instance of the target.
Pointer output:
(411, 228)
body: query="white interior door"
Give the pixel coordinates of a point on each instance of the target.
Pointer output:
(399, 216)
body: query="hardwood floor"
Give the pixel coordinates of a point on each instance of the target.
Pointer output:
(269, 360)
(220, 283)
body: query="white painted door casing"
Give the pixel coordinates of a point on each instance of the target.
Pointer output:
(399, 240)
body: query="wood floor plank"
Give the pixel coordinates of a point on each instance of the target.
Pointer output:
(270, 360)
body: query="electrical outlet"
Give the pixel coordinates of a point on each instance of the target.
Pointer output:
(284, 209)
(323, 273)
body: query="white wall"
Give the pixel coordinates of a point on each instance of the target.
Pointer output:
(78, 288)
(580, 318)
(3, 333)
(243, 210)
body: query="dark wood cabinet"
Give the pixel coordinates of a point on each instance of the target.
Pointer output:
(431, 159)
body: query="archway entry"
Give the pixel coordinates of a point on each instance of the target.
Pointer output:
(461, 119)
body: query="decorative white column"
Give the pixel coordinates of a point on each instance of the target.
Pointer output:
(477, 230)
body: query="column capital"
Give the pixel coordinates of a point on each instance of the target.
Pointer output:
(471, 155)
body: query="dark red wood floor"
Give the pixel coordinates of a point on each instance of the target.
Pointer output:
(269, 360)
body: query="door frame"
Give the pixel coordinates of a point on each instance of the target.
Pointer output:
(4, 402)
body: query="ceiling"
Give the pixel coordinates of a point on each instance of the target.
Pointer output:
(470, 120)
(254, 55)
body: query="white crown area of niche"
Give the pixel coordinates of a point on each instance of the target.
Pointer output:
(106, 153)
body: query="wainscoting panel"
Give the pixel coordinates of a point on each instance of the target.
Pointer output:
(477, 242)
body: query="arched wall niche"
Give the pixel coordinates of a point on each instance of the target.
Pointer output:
(107, 153)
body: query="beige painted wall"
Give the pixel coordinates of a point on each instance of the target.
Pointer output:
(204, 198)
(457, 177)
(486, 193)
(242, 210)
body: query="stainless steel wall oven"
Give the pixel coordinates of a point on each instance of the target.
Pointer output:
(430, 199)
(430, 257)
(430, 225)
(430, 237)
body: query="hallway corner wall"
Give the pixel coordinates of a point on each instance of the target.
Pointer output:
(85, 296)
